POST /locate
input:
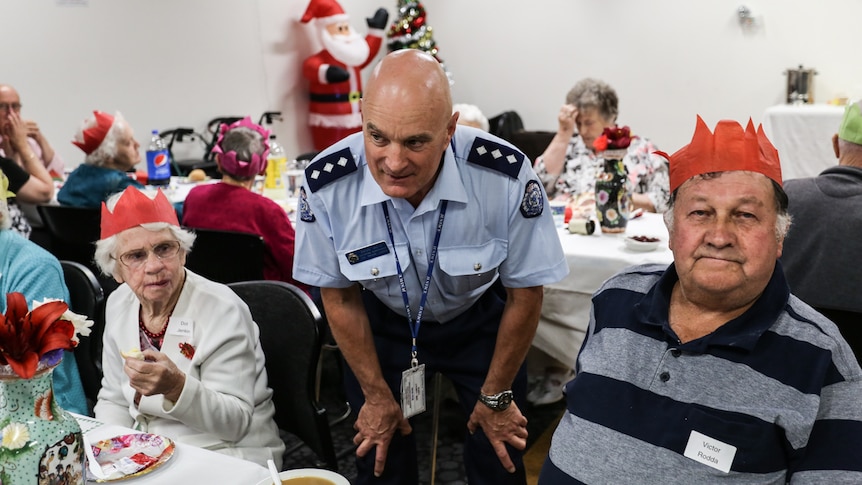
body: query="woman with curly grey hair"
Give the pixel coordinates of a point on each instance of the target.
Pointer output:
(569, 164)
(111, 151)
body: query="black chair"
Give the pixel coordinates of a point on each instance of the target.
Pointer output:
(850, 325)
(87, 298)
(290, 334)
(73, 232)
(227, 256)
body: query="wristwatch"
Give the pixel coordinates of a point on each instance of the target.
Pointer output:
(497, 402)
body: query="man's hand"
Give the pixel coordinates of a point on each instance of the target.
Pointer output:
(16, 132)
(32, 129)
(501, 427)
(375, 426)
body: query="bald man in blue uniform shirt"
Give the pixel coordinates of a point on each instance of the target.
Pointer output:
(431, 247)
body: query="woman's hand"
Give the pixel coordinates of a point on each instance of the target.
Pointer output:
(566, 119)
(156, 374)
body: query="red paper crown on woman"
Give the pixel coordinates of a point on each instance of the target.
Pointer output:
(729, 148)
(135, 208)
(229, 161)
(93, 132)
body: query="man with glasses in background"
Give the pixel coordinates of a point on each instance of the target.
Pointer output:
(10, 110)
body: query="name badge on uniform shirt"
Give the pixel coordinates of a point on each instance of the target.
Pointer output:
(413, 391)
(368, 252)
(182, 327)
(710, 451)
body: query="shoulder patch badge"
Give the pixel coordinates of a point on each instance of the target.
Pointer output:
(305, 214)
(533, 202)
(329, 168)
(496, 156)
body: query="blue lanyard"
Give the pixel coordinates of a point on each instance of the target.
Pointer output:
(414, 327)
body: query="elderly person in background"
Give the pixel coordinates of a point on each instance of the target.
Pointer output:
(710, 370)
(199, 377)
(111, 151)
(569, 165)
(231, 205)
(10, 109)
(471, 115)
(28, 178)
(28, 269)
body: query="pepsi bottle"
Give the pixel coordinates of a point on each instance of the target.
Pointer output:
(158, 161)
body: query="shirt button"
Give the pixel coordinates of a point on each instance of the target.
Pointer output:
(664, 376)
(418, 252)
(477, 266)
(676, 352)
(375, 271)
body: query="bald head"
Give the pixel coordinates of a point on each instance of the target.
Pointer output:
(410, 74)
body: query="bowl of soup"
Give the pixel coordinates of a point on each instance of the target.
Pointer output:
(307, 476)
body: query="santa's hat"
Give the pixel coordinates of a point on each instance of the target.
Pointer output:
(729, 148)
(135, 208)
(93, 131)
(325, 11)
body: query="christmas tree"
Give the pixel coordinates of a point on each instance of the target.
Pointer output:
(410, 31)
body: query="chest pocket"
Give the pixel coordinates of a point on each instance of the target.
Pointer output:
(376, 273)
(467, 268)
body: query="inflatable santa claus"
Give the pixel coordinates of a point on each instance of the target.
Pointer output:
(335, 85)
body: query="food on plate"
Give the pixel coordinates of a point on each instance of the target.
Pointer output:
(197, 175)
(133, 354)
(645, 239)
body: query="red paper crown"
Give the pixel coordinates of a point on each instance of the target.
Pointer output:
(89, 138)
(728, 149)
(135, 208)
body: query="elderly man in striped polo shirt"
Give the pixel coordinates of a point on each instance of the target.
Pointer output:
(709, 370)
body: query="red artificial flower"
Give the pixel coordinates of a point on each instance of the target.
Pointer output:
(614, 138)
(187, 350)
(26, 336)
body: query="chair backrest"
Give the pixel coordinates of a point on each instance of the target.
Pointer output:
(227, 256)
(850, 325)
(73, 231)
(87, 298)
(290, 335)
(506, 124)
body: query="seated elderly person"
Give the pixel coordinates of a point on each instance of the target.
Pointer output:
(182, 356)
(28, 269)
(10, 109)
(231, 205)
(111, 151)
(28, 177)
(471, 115)
(709, 370)
(569, 165)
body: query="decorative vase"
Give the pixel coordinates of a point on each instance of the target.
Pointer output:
(612, 195)
(40, 443)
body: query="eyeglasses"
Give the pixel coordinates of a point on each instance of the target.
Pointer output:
(10, 107)
(137, 257)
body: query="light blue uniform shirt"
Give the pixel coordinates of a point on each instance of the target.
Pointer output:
(497, 224)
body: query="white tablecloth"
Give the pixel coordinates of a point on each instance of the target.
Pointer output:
(188, 465)
(802, 134)
(592, 260)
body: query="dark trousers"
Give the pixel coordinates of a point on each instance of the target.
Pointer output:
(460, 349)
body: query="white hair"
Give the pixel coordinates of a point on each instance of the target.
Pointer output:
(107, 150)
(106, 257)
(471, 114)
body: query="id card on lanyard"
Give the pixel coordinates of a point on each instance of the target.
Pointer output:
(413, 378)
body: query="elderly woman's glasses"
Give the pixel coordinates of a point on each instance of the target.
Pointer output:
(137, 257)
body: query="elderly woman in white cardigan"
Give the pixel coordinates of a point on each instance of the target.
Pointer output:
(182, 356)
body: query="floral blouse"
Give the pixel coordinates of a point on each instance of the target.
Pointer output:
(648, 173)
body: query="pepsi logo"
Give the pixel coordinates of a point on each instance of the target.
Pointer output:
(160, 160)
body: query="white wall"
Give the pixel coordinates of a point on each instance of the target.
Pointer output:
(168, 63)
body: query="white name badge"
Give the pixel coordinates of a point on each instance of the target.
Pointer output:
(413, 391)
(182, 327)
(710, 451)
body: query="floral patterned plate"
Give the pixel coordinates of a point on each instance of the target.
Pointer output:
(132, 455)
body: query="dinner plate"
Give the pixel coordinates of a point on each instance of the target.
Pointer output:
(636, 245)
(324, 477)
(132, 455)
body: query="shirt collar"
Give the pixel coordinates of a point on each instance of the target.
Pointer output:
(742, 332)
(448, 186)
